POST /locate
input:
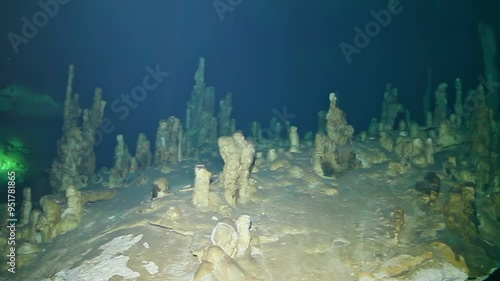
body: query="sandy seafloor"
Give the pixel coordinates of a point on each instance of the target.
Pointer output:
(303, 229)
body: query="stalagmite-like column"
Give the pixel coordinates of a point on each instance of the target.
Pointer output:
(326, 159)
(71, 103)
(403, 128)
(143, 153)
(232, 128)
(294, 139)
(224, 116)
(277, 128)
(200, 120)
(238, 155)
(373, 128)
(75, 161)
(414, 130)
(201, 186)
(91, 121)
(72, 215)
(429, 151)
(26, 206)
(243, 224)
(336, 124)
(440, 105)
(168, 139)
(256, 129)
(180, 147)
(134, 166)
(272, 155)
(390, 108)
(49, 218)
(121, 167)
(429, 120)
(122, 156)
(458, 108)
(259, 159)
(481, 141)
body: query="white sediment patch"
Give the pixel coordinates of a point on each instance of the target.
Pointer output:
(109, 263)
(151, 267)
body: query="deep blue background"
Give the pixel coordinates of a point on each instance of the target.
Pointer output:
(269, 54)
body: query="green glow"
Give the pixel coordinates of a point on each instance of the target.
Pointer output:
(13, 158)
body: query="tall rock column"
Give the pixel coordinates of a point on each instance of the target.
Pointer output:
(458, 107)
(200, 115)
(440, 104)
(143, 153)
(168, 146)
(238, 155)
(390, 108)
(225, 122)
(75, 161)
(201, 187)
(336, 124)
(326, 158)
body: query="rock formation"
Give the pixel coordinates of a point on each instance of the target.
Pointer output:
(161, 187)
(201, 187)
(429, 188)
(169, 142)
(294, 139)
(226, 124)
(458, 107)
(373, 128)
(230, 241)
(143, 154)
(122, 163)
(122, 156)
(26, 206)
(238, 156)
(337, 127)
(61, 214)
(440, 104)
(201, 123)
(75, 161)
(460, 211)
(328, 160)
(390, 108)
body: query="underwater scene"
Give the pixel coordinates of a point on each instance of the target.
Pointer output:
(238, 140)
